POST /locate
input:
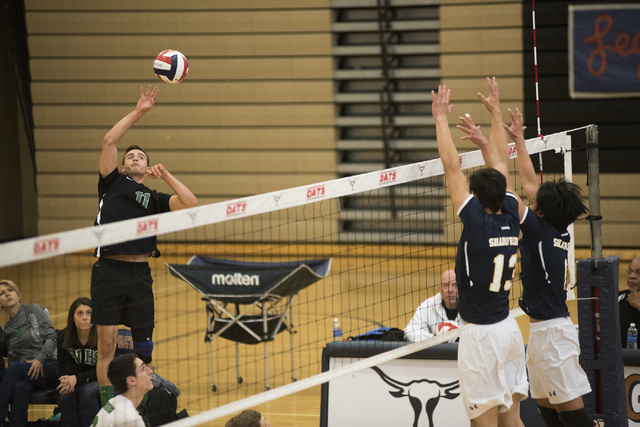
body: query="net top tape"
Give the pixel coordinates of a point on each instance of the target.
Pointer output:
(51, 245)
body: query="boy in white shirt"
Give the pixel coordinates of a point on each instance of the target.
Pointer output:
(132, 379)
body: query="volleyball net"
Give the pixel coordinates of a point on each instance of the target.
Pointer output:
(365, 249)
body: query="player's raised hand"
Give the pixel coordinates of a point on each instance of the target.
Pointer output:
(516, 130)
(492, 103)
(157, 172)
(440, 107)
(146, 101)
(473, 132)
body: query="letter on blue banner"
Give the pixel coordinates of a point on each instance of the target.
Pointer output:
(604, 51)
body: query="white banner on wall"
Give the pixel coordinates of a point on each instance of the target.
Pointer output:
(397, 393)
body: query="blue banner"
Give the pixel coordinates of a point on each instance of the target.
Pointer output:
(604, 50)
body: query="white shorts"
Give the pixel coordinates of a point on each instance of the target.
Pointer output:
(553, 361)
(491, 366)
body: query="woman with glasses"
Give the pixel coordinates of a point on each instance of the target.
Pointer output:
(629, 300)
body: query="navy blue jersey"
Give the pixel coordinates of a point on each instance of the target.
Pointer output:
(122, 198)
(486, 258)
(543, 268)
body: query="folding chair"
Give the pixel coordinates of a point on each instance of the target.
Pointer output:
(267, 286)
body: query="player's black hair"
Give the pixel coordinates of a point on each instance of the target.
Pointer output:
(246, 418)
(134, 147)
(489, 186)
(121, 368)
(559, 203)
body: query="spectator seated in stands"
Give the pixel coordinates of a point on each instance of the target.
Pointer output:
(77, 356)
(437, 314)
(31, 341)
(132, 380)
(629, 301)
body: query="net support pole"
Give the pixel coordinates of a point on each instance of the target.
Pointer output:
(598, 316)
(593, 182)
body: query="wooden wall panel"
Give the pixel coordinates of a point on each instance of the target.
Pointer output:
(494, 64)
(613, 184)
(254, 114)
(204, 162)
(207, 138)
(228, 69)
(188, 115)
(613, 235)
(169, 22)
(255, 92)
(75, 5)
(480, 40)
(230, 184)
(192, 46)
(484, 15)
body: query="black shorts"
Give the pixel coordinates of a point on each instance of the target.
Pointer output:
(122, 294)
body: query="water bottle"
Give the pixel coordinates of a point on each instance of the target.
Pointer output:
(632, 336)
(337, 330)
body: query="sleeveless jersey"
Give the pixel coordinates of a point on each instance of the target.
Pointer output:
(486, 258)
(543, 268)
(122, 198)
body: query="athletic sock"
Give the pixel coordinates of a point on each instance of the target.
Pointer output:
(106, 393)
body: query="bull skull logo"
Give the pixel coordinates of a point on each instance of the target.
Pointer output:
(421, 393)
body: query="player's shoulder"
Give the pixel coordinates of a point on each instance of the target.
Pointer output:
(510, 203)
(470, 204)
(532, 223)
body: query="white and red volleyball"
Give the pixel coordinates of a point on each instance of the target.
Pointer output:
(171, 66)
(446, 327)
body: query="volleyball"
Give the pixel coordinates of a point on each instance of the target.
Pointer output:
(171, 66)
(445, 327)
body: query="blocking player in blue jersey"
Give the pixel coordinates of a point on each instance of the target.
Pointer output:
(491, 364)
(557, 380)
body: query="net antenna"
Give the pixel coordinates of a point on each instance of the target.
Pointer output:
(535, 66)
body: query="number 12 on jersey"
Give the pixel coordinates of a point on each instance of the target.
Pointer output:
(498, 266)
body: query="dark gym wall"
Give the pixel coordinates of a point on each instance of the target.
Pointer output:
(617, 118)
(18, 209)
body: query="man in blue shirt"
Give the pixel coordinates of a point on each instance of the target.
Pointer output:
(492, 385)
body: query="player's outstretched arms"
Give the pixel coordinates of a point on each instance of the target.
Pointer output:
(440, 109)
(109, 156)
(475, 135)
(527, 172)
(183, 197)
(499, 146)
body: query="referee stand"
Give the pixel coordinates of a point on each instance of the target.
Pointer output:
(598, 316)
